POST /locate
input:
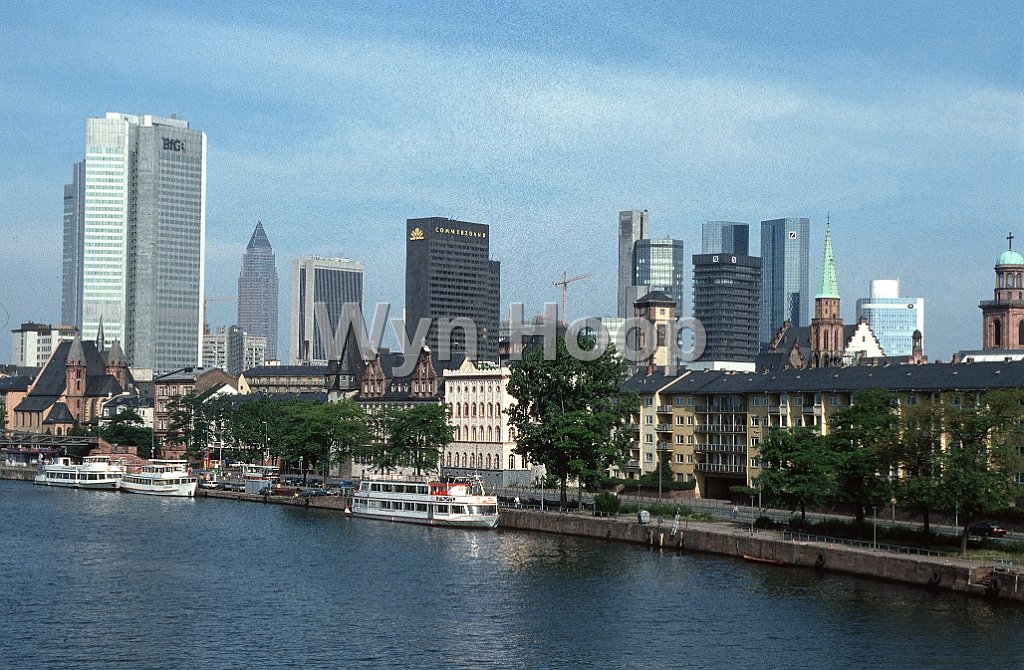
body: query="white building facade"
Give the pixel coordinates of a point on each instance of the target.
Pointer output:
(33, 343)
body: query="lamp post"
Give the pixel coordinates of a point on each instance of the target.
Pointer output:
(266, 443)
(874, 527)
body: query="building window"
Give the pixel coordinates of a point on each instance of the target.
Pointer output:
(798, 401)
(649, 457)
(680, 401)
(511, 462)
(689, 439)
(754, 441)
(911, 400)
(680, 421)
(833, 401)
(783, 417)
(754, 421)
(649, 419)
(648, 401)
(648, 438)
(689, 421)
(753, 462)
(680, 439)
(689, 401)
(680, 458)
(755, 401)
(689, 458)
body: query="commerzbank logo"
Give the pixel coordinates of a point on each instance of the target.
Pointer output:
(416, 234)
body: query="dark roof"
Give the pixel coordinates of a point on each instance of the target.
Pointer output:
(103, 385)
(59, 414)
(655, 297)
(8, 384)
(51, 381)
(286, 371)
(36, 403)
(641, 382)
(183, 375)
(128, 401)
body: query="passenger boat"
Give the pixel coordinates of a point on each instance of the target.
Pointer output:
(95, 472)
(454, 501)
(161, 478)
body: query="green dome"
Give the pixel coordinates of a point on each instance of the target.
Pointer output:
(1010, 258)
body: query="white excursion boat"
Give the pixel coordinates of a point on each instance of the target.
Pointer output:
(455, 501)
(161, 478)
(95, 472)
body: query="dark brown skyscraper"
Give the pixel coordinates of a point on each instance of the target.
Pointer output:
(257, 291)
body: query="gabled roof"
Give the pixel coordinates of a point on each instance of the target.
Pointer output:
(59, 414)
(53, 378)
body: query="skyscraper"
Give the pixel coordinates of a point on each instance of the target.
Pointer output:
(74, 249)
(659, 265)
(727, 301)
(142, 241)
(725, 237)
(257, 290)
(892, 319)
(785, 246)
(333, 281)
(449, 274)
(632, 227)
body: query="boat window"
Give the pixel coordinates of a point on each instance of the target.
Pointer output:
(458, 509)
(421, 507)
(440, 509)
(387, 488)
(410, 507)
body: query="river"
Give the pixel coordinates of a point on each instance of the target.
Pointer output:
(95, 579)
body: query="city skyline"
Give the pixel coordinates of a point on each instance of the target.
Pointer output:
(554, 131)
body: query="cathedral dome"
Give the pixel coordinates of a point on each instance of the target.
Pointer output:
(1010, 258)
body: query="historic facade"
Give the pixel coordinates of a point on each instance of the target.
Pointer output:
(1003, 316)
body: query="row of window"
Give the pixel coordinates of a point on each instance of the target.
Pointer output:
(469, 410)
(493, 434)
(483, 461)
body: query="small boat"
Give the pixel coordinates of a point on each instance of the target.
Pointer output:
(95, 472)
(758, 559)
(161, 478)
(453, 501)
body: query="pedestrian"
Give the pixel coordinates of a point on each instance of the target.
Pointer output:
(735, 512)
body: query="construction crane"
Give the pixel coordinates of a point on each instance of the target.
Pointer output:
(565, 287)
(206, 299)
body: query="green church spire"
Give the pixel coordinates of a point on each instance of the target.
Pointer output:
(827, 285)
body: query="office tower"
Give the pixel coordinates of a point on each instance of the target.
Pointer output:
(257, 290)
(332, 281)
(632, 227)
(449, 274)
(724, 237)
(32, 344)
(659, 265)
(727, 301)
(74, 232)
(893, 319)
(233, 350)
(142, 238)
(784, 287)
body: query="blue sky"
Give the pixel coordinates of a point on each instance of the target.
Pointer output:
(334, 122)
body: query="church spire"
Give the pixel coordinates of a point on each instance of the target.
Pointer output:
(828, 287)
(100, 343)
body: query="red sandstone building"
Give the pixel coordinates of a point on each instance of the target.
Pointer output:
(1003, 317)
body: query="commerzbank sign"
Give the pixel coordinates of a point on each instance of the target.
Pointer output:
(417, 234)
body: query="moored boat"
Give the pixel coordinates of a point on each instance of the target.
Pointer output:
(161, 478)
(453, 501)
(95, 472)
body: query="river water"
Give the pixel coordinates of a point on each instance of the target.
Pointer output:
(94, 579)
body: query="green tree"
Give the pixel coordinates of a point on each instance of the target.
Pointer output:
(318, 434)
(568, 410)
(420, 434)
(127, 429)
(863, 438)
(257, 426)
(984, 456)
(919, 457)
(796, 469)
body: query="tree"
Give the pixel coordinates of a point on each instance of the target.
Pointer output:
(984, 456)
(796, 469)
(257, 426)
(863, 439)
(919, 457)
(420, 434)
(568, 410)
(127, 429)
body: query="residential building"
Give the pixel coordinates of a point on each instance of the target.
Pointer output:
(449, 275)
(257, 291)
(278, 379)
(141, 238)
(32, 344)
(892, 318)
(484, 444)
(233, 350)
(725, 237)
(168, 387)
(74, 247)
(660, 265)
(785, 245)
(1003, 316)
(727, 302)
(128, 403)
(633, 226)
(332, 281)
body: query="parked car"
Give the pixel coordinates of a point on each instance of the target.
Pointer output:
(207, 484)
(225, 486)
(986, 529)
(312, 493)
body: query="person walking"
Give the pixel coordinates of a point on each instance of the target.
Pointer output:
(735, 512)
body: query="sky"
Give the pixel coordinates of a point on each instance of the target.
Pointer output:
(333, 123)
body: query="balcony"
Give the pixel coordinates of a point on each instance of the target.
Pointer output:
(711, 409)
(633, 465)
(664, 409)
(720, 428)
(716, 467)
(664, 428)
(631, 426)
(773, 409)
(720, 448)
(664, 446)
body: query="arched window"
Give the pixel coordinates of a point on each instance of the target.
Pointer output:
(997, 335)
(490, 410)
(497, 461)
(1018, 280)
(488, 461)
(490, 435)
(826, 340)
(472, 463)
(465, 409)
(481, 410)
(463, 459)
(465, 433)
(449, 459)
(1001, 280)
(1020, 332)
(480, 457)
(474, 433)
(523, 459)
(474, 409)
(511, 462)
(497, 433)
(458, 410)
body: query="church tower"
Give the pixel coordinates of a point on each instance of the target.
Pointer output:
(1003, 318)
(827, 326)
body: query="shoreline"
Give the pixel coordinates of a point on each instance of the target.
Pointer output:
(956, 575)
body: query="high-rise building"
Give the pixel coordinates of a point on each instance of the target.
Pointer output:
(142, 238)
(727, 302)
(233, 350)
(725, 237)
(785, 245)
(32, 344)
(257, 290)
(893, 319)
(74, 249)
(632, 227)
(332, 281)
(448, 275)
(659, 265)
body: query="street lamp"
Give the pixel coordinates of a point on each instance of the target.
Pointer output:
(266, 443)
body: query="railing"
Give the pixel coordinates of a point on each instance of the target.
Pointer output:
(633, 464)
(711, 409)
(664, 427)
(725, 448)
(810, 408)
(774, 408)
(718, 467)
(664, 409)
(664, 446)
(720, 428)
(865, 544)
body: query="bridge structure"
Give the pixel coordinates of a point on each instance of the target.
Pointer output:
(27, 441)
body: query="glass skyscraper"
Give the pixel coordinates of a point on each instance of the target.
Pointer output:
(142, 241)
(659, 265)
(892, 319)
(257, 290)
(332, 281)
(785, 246)
(633, 226)
(74, 249)
(725, 237)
